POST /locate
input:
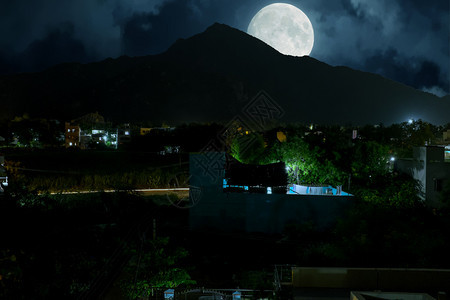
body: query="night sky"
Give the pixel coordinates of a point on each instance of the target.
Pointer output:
(404, 40)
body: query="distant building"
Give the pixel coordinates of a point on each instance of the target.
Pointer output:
(446, 136)
(124, 134)
(72, 135)
(3, 176)
(429, 167)
(90, 131)
(145, 130)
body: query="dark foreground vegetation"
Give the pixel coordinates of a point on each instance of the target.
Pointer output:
(125, 244)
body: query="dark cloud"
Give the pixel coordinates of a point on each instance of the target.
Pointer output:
(391, 38)
(364, 34)
(419, 73)
(149, 33)
(57, 47)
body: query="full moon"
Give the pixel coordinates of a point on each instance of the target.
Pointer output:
(284, 27)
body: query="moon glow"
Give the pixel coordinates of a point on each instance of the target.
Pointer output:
(284, 27)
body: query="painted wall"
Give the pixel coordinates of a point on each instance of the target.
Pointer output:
(250, 212)
(371, 278)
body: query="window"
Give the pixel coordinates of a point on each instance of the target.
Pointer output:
(70, 144)
(437, 184)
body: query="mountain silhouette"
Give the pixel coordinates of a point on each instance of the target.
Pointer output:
(213, 76)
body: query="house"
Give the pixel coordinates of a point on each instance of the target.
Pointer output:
(253, 199)
(72, 135)
(3, 176)
(446, 136)
(429, 167)
(89, 131)
(124, 134)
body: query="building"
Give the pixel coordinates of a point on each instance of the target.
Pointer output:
(368, 283)
(446, 136)
(90, 131)
(72, 135)
(429, 167)
(221, 201)
(124, 134)
(145, 130)
(3, 175)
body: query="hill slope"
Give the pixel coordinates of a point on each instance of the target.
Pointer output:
(211, 77)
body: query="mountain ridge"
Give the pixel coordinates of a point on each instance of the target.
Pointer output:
(211, 76)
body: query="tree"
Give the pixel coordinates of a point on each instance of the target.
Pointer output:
(391, 190)
(248, 148)
(370, 159)
(306, 164)
(154, 265)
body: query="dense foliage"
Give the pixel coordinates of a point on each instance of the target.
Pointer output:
(72, 246)
(57, 171)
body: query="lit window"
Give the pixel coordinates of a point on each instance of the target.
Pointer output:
(70, 144)
(73, 129)
(68, 130)
(127, 133)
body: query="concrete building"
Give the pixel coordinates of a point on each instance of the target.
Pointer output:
(3, 175)
(124, 134)
(72, 135)
(446, 136)
(429, 167)
(214, 205)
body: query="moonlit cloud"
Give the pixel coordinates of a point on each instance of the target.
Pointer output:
(399, 35)
(435, 90)
(353, 33)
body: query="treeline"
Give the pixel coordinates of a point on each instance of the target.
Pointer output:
(94, 170)
(155, 178)
(362, 162)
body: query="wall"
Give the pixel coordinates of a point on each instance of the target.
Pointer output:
(427, 166)
(372, 279)
(253, 212)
